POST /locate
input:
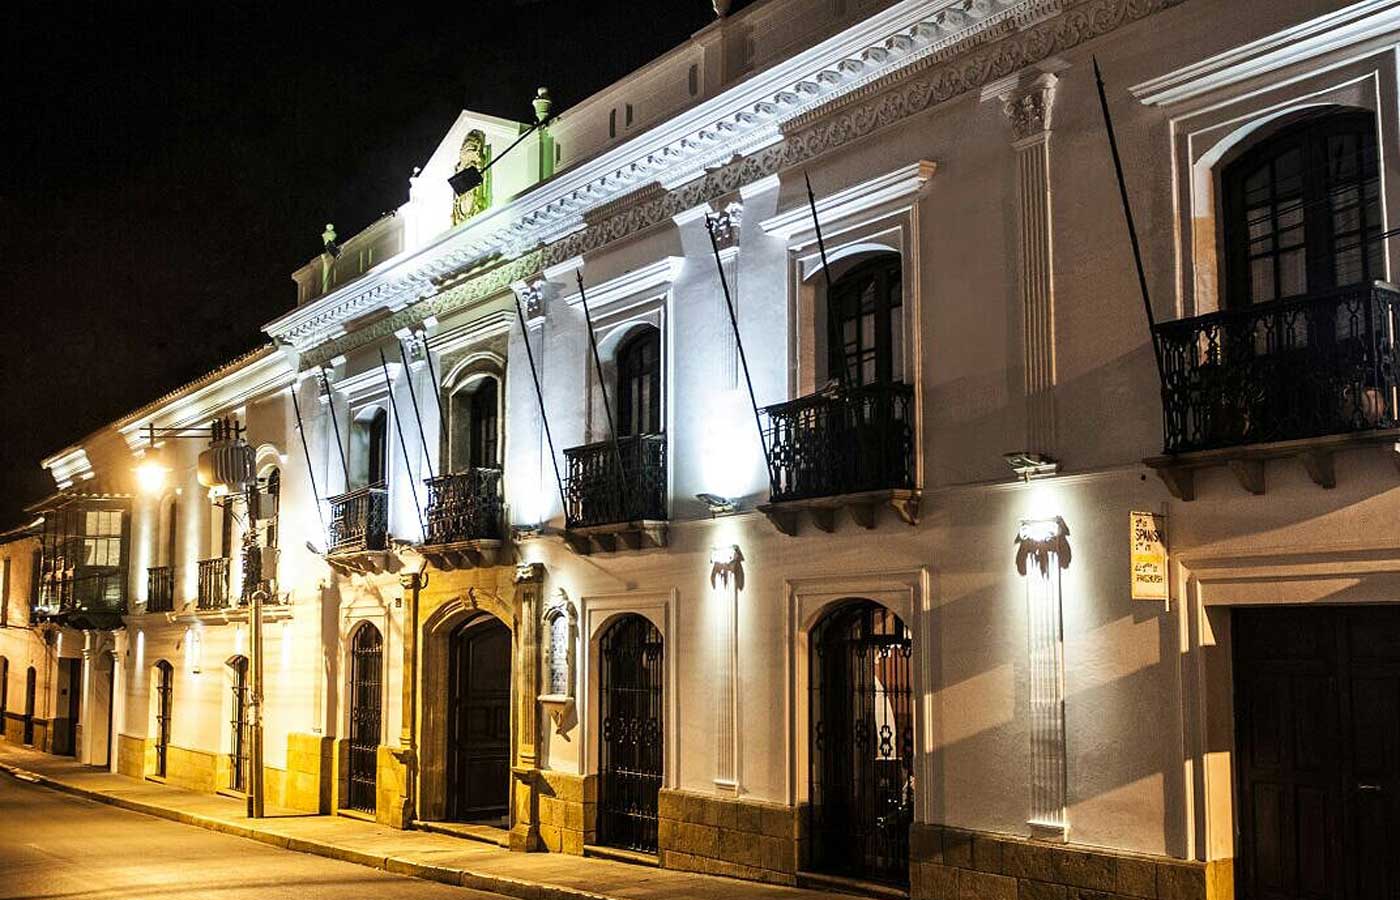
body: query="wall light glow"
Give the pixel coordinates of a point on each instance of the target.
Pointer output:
(730, 453)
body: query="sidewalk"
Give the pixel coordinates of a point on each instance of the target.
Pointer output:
(530, 876)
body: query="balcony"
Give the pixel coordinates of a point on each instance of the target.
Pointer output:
(360, 521)
(1302, 377)
(844, 448)
(82, 598)
(464, 517)
(213, 584)
(607, 505)
(160, 589)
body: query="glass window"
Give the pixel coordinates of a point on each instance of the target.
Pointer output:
(1302, 210)
(476, 426)
(102, 537)
(639, 384)
(866, 321)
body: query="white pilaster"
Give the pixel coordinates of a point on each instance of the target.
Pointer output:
(1028, 100)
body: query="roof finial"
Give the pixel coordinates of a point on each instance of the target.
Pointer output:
(542, 104)
(722, 7)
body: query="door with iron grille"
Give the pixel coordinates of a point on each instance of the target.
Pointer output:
(478, 721)
(238, 725)
(631, 758)
(164, 685)
(861, 744)
(366, 668)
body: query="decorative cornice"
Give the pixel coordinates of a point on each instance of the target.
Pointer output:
(226, 388)
(827, 106)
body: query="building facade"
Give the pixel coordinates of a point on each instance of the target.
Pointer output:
(630, 502)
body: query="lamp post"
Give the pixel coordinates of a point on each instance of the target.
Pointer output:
(229, 463)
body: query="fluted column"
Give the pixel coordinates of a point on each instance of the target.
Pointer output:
(726, 580)
(1044, 552)
(1028, 102)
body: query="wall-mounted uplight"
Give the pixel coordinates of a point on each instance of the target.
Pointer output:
(525, 532)
(1027, 464)
(717, 505)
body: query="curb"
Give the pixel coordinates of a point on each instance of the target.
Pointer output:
(499, 884)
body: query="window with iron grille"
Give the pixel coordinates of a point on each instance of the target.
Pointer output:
(238, 725)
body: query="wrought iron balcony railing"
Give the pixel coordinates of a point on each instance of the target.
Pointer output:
(465, 506)
(213, 583)
(160, 589)
(1322, 364)
(842, 441)
(360, 520)
(599, 494)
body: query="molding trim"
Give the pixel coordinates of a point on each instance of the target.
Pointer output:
(1345, 27)
(648, 279)
(367, 385)
(852, 201)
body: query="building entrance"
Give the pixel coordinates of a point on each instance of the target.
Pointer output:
(1317, 731)
(632, 751)
(478, 722)
(861, 743)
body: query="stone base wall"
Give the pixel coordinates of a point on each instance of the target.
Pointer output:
(195, 769)
(306, 785)
(391, 799)
(568, 811)
(14, 731)
(952, 864)
(727, 836)
(131, 756)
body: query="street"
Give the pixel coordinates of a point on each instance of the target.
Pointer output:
(56, 845)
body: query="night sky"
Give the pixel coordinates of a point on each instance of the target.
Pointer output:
(165, 167)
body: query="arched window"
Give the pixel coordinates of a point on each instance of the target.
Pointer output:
(865, 324)
(164, 684)
(475, 441)
(171, 525)
(4, 690)
(238, 723)
(366, 676)
(273, 486)
(369, 451)
(1302, 210)
(639, 384)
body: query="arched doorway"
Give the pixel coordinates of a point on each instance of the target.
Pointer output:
(366, 677)
(478, 721)
(861, 743)
(30, 684)
(631, 755)
(238, 724)
(165, 677)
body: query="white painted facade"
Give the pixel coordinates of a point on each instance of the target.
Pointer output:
(966, 139)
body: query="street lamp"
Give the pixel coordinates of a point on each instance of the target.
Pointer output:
(152, 473)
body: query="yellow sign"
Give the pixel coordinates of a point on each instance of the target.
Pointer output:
(1147, 533)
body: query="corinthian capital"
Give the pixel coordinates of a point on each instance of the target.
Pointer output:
(1028, 108)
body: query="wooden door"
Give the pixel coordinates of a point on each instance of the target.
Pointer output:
(1318, 738)
(478, 727)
